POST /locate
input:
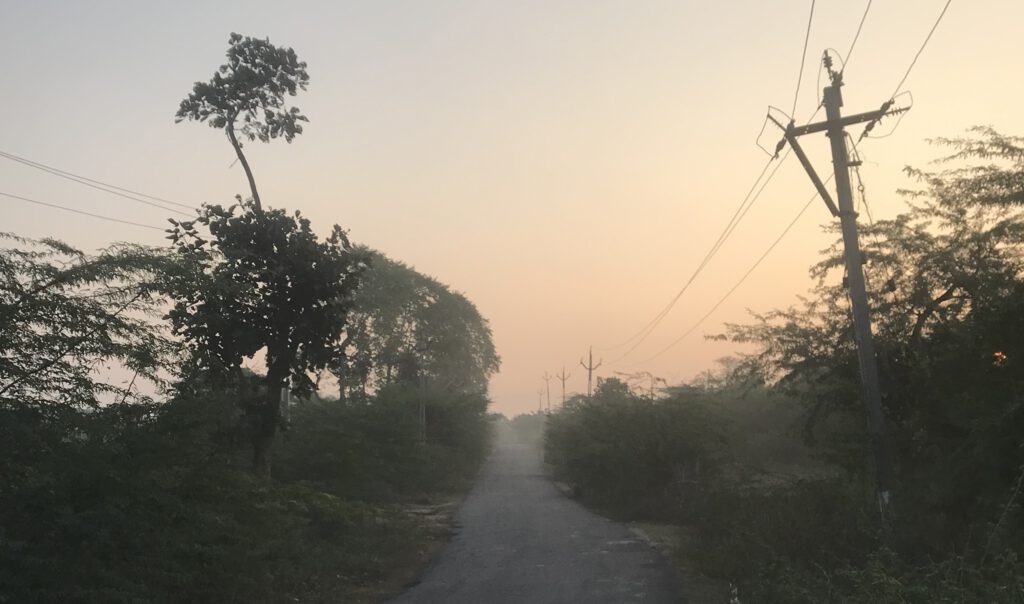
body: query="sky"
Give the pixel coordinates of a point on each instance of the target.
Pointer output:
(564, 164)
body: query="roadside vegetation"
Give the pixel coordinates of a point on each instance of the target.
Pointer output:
(765, 464)
(148, 448)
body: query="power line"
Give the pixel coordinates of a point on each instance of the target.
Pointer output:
(707, 256)
(920, 50)
(803, 59)
(737, 216)
(741, 210)
(82, 212)
(856, 36)
(736, 286)
(892, 98)
(99, 185)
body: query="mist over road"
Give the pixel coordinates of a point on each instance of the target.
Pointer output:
(519, 540)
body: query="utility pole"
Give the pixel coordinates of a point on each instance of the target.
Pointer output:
(547, 386)
(590, 367)
(563, 377)
(421, 373)
(423, 408)
(540, 401)
(833, 126)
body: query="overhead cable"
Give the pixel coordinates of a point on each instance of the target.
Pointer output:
(856, 36)
(729, 293)
(82, 212)
(921, 50)
(100, 186)
(803, 59)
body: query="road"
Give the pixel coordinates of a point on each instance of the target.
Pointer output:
(519, 540)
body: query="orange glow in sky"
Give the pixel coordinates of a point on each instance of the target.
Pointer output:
(564, 164)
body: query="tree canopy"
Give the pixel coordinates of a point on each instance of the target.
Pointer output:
(64, 313)
(405, 325)
(946, 282)
(262, 281)
(252, 87)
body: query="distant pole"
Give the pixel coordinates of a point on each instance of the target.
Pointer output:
(590, 367)
(547, 386)
(563, 377)
(833, 126)
(540, 401)
(421, 349)
(423, 409)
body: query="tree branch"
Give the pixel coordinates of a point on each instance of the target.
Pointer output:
(915, 335)
(78, 342)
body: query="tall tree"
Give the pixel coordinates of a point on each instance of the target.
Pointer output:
(247, 96)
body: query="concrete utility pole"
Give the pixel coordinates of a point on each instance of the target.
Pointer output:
(547, 386)
(833, 126)
(590, 367)
(422, 375)
(564, 377)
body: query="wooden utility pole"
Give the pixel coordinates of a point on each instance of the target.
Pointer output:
(590, 367)
(547, 386)
(563, 377)
(833, 126)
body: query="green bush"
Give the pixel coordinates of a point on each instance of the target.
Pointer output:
(374, 451)
(631, 455)
(123, 506)
(138, 504)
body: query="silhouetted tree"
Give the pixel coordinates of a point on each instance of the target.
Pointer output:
(63, 313)
(405, 325)
(263, 282)
(250, 87)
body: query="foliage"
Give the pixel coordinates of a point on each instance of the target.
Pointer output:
(264, 282)
(251, 86)
(526, 429)
(629, 454)
(946, 284)
(373, 451)
(136, 504)
(949, 329)
(405, 326)
(63, 313)
(133, 501)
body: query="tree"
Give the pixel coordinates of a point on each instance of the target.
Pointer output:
(406, 325)
(64, 313)
(250, 87)
(263, 282)
(946, 287)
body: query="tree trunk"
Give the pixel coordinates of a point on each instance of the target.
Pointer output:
(245, 164)
(262, 441)
(265, 425)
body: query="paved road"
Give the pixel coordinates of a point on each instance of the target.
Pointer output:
(521, 541)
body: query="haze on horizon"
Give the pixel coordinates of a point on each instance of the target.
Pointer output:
(565, 165)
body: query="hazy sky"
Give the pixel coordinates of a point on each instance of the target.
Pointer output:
(564, 164)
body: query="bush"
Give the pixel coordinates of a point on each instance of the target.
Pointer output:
(374, 451)
(630, 455)
(156, 504)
